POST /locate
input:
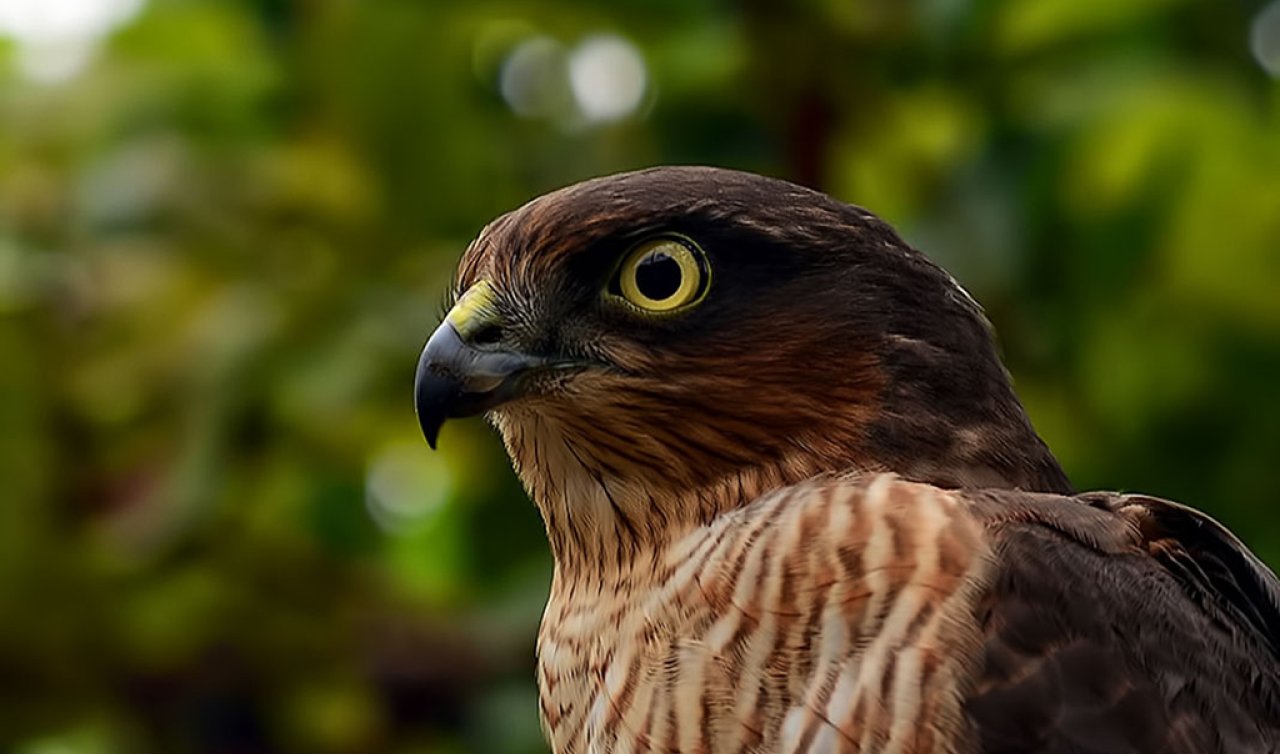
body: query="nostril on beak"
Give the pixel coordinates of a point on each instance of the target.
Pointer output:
(487, 336)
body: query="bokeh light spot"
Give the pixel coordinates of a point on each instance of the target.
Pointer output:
(1264, 38)
(608, 78)
(56, 38)
(406, 486)
(533, 79)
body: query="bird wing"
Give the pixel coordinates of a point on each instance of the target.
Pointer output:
(1115, 623)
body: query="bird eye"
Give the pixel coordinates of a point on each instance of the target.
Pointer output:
(662, 275)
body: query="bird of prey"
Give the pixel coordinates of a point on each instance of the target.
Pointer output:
(795, 505)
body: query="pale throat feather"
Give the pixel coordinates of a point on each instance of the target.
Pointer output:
(602, 520)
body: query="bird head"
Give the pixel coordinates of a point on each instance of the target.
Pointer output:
(701, 334)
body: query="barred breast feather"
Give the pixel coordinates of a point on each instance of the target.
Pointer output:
(823, 617)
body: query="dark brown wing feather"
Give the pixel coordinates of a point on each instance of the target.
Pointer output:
(1209, 560)
(1122, 624)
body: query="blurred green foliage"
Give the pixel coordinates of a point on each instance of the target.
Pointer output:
(223, 242)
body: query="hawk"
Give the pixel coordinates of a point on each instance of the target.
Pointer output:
(795, 505)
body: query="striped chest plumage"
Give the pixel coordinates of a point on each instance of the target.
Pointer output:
(810, 621)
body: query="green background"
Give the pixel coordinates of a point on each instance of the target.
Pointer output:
(223, 243)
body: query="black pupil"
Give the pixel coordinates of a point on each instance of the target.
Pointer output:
(658, 276)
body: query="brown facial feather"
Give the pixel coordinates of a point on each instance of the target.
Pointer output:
(824, 344)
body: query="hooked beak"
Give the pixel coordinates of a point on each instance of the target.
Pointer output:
(456, 379)
(457, 376)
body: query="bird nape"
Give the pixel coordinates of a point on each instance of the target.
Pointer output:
(795, 505)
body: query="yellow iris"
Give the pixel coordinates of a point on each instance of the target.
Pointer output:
(662, 275)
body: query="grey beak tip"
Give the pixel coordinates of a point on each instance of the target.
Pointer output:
(431, 413)
(432, 394)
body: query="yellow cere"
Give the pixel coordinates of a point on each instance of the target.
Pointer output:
(683, 264)
(474, 309)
